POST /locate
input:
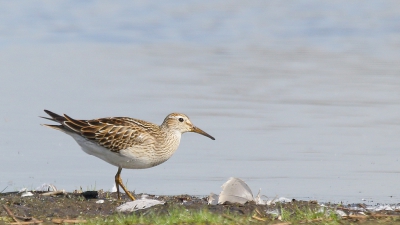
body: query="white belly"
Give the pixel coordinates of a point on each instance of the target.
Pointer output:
(124, 158)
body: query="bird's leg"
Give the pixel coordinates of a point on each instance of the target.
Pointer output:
(118, 182)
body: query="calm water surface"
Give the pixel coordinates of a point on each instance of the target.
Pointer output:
(302, 97)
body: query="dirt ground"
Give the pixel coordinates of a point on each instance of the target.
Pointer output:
(76, 207)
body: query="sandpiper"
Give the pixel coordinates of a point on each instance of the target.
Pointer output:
(126, 142)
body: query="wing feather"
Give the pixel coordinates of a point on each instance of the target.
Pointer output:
(114, 133)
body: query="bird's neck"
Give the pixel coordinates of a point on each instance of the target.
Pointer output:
(170, 140)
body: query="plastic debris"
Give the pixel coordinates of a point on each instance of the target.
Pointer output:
(275, 212)
(341, 213)
(281, 200)
(212, 199)
(26, 194)
(101, 201)
(144, 196)
(23, 190)
(384, 207)
(235, 190)
(138, 204)
(46, 187)
(258, 199)
(113, 189)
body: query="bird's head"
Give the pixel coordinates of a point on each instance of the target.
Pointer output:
(180, 122)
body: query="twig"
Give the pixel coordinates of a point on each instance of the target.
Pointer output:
(228, 217)
(284, 223)
(258, 218)
(258, 212)
(382, 215)
(29, 222)
(275, 198)
(355, 217)
(10, 214)
(60, 221)
(3, 189)
(54, 193)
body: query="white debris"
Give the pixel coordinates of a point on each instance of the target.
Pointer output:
(138, 204)
(322, 209)
(281, 200)
(113, 189)
(26, 194)
(383, 207)
(258, 199)
(213, 199)
(23, 190)
(284, 200)
(46, 187)
(341, 213)
(101, 201)
(274, 212)
(144, 196)
(235, 190)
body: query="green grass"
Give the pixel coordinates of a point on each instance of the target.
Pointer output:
(91, 188)
(175, 215)
(289, 215)
(309, 215)
(181, 215)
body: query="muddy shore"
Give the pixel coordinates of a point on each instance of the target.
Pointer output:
(79, 207)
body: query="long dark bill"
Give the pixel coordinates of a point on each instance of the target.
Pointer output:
(200, 131)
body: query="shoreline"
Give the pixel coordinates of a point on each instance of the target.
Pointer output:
(99, 205)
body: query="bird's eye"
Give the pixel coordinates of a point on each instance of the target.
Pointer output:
(181, 119)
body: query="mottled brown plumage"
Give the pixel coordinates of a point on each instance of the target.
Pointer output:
(126, 142)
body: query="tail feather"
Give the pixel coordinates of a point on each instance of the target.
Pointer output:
(67, 124)
(56, 127)
(80, 123)
(47, 118)
(54, 117)
(64, 126)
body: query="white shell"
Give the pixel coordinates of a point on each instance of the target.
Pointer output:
(235, 190)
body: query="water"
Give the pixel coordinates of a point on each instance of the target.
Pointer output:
(302, 97)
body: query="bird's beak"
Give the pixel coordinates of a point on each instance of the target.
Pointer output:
(200, 131)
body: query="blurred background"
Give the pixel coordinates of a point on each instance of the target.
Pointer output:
(303, 97)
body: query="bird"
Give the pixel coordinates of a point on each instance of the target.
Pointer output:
(126, 142)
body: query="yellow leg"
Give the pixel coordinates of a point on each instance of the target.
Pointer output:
(118, 182)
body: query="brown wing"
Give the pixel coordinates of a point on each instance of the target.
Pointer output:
(114, 133)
